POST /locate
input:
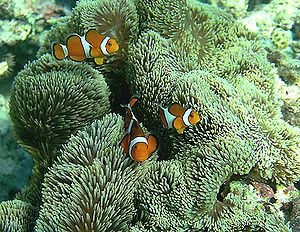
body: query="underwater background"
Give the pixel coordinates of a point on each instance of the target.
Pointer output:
(236, 62)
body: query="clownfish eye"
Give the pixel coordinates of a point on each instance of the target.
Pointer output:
(109, 44)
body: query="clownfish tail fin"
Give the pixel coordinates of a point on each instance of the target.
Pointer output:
(59, 51)
(132, 101)
(135, 97)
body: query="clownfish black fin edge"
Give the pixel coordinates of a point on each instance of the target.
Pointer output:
(54, 53)
(157, 145)
(124, 143)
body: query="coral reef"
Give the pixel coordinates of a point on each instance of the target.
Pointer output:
(218, 120)
(23, 25)
(280, 38)
(117, 19)
(68, 97)
(17, 216)
(220, 175)
(277, 24)
(295, 214)
(278, 20)
(288, 85)
(291, 107)
(7, 63)
(22, 20)
(50, 100)
(13, 31)
(238, 8)
(97, 178)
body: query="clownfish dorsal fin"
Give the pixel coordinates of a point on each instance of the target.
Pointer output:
(125, 143)
(130, 119)
(127, 120)
(179, 125)
(176, 109)
(94, 38)
(162, 117)
(152, 143)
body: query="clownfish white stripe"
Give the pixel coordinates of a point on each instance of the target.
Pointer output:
(131, 123)
(103, 45)
(185, 117)
(133, 118)
(139, 139)
(65, 50)
(169, 117)
(129, 126)
(86, 46)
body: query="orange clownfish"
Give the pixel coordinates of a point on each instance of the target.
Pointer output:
(135, 142)
(91, 45)
(176, 116)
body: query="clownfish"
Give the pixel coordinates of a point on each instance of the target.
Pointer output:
(135, 143)
(129, 116)
(91, 45)
(178, 117)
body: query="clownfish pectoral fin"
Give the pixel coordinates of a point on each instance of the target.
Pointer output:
(179, 125)
(95, 52)
(125, 143)
(99, 60)
(152, 143)
(59, 51)
(94, 38)
(176, 109)
(181, 130)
